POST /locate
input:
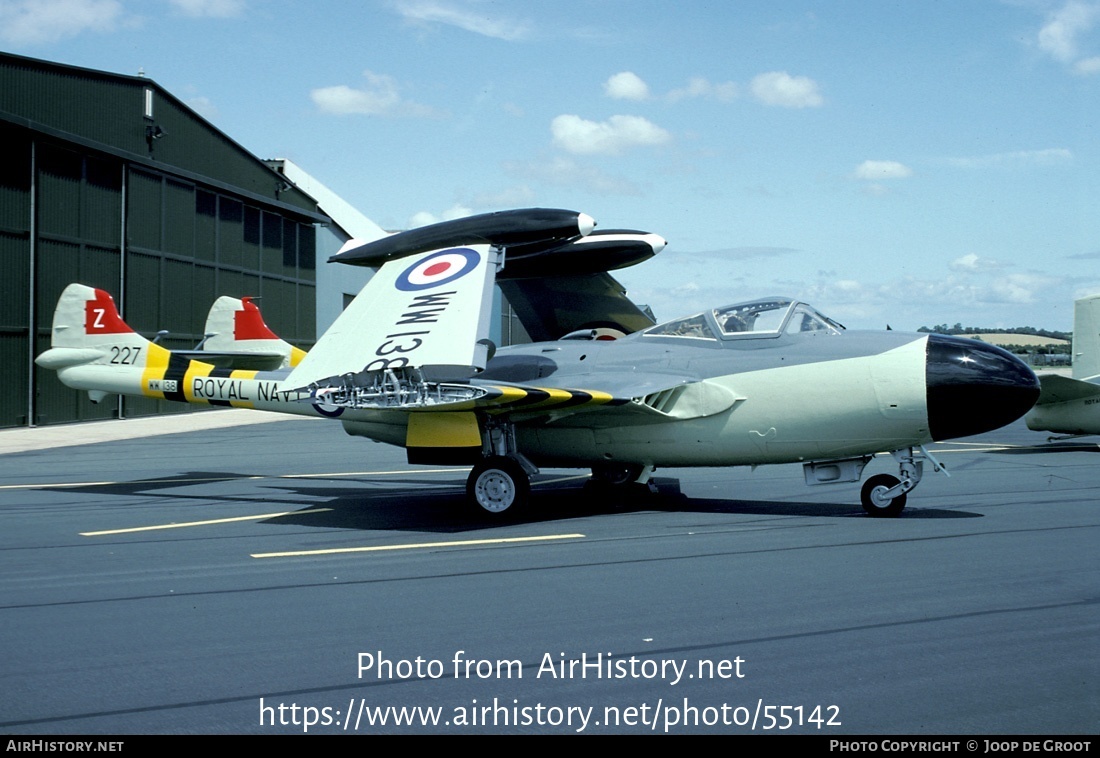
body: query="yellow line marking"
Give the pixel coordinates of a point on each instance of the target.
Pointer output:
(406, 472)
(417, 546)
(201, 523)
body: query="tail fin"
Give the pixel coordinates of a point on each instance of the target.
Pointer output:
(1086, 338)
(86, 321)
(237, 326)
(90, 343)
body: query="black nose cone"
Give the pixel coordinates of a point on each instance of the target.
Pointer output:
(974, 387)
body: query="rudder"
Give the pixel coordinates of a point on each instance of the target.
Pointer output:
(1086, 338)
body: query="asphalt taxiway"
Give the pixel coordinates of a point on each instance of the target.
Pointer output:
(262, 578)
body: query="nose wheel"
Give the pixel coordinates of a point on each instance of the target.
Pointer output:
(883, 495)
(877, 498)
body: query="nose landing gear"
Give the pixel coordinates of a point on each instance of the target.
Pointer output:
(884, 495)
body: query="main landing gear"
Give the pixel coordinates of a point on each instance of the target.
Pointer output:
(498, 484)
(884, 495)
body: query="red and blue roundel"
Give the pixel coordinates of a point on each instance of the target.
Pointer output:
(437, 269)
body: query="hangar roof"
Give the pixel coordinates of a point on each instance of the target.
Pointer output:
(137, 120)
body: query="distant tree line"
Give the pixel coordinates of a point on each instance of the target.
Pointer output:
(968, 330)
(1045, 355)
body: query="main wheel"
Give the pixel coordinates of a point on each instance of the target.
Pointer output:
(874, 497)
(498, 485)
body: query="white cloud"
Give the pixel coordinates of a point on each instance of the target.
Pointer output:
(878, 170)
(31, 22)
(1017, 288)
(968, 262)
(566, 172)
(1086, 290)
(611, 137)
(204, 107)
(782, 89)
(1059, 35)
(742, 253)
(974, 264)
(462, 16)
(1048, 157)
(626, 86)
(512, 197)
(701, 87)
(629, 86)
(1087, 66)
(210, 8)
(379, 97)
(342, 99)
(423, 218)
(959, 293)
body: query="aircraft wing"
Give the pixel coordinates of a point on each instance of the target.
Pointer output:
(552, 306)
(1055, 388)
(428, 312)
(602, 400)
(555, 266)
(626, 400)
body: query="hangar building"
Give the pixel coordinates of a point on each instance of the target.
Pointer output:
(111, 181)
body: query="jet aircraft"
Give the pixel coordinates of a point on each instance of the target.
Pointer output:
(603, 387)
(1070, 406)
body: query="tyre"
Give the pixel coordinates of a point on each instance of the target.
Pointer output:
(875, 503)
(497, 486)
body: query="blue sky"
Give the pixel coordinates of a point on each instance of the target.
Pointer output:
(905, 163)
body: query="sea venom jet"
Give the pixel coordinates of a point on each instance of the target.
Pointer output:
(1071, 406)
(769, 381)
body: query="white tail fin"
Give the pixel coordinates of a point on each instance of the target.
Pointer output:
(237, 326)
(92, 348)
(87, 320)
(1086, 338)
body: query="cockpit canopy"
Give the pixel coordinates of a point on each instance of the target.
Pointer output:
(756, 319)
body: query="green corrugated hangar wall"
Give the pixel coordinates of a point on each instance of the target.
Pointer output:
(111, 181)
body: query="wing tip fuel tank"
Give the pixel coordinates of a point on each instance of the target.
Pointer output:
(524, 226)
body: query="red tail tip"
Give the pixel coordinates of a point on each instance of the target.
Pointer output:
(248, 324)
(101, 316)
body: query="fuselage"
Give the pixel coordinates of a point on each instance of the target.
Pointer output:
(795, 396)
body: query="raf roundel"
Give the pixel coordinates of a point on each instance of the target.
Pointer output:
(438, 269)
(324, 408)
